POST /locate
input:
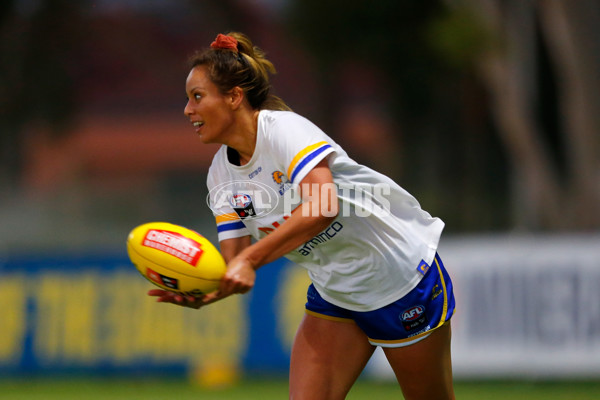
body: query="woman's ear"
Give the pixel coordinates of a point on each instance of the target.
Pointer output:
(237, 96)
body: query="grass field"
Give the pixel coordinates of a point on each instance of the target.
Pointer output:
(262, 389)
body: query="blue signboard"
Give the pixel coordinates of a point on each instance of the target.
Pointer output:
(90, 313)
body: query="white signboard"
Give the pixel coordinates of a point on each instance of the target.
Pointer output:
(526, 306)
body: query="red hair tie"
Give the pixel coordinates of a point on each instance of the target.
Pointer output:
(225, 42)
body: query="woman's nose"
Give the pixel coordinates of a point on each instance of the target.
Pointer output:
(187, 110)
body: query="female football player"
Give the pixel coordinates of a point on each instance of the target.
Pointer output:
(369, 248)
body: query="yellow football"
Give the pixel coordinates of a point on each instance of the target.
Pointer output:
(175, 258)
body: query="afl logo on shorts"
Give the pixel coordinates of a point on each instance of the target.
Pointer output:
(413, 313)
(413, 318)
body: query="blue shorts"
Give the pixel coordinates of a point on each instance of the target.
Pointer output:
(406, 321)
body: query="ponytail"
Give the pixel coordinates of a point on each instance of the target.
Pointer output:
(232, 60)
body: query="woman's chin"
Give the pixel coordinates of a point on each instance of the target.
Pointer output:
(203, 138)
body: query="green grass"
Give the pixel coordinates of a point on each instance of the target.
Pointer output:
(262, 389)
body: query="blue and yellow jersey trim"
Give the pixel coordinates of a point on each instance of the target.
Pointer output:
(228, 222)
(305, 156)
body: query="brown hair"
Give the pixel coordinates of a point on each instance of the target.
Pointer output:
(247, 68)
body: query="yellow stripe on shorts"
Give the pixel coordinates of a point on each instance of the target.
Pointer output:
(329, 317)
(445, 307)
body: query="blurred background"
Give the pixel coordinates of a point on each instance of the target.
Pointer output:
(486, 110)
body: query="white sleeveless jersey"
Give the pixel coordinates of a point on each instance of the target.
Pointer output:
(369, 256)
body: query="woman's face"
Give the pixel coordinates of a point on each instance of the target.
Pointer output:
(208, 109)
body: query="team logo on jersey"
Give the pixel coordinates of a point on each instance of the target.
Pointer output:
(278, 177)
(248, 198)
(413, 318)
(240, 200)
(242, 205)
(281, 179)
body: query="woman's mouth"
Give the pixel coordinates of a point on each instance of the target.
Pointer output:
(197, 125)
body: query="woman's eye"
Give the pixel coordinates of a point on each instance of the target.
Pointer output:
(197, 96)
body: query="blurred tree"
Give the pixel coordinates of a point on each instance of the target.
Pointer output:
(37, 72)
(554, 168)
(444, 150)
(388, 34)
(461, 71)
(571, 30)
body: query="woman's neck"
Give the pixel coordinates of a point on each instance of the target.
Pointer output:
(244, 140)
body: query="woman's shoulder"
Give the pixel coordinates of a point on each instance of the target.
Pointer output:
(220, 155)
(218, 162)
(275, 117)
(274, 124)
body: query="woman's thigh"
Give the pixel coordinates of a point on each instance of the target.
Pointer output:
(424, 369)
(327, 358)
